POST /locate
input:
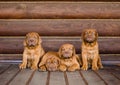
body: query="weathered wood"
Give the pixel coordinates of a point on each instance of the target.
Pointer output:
(4, 67)
(74, 78)
(39, 78)
(8, 75)
(107, 59)
(65, 0)
(59, 27)
(57, 78)
(114, 70)
(14, 45)
(49, 10)
(108, 77)
(13, 76)
(22, 77)
(92, 78)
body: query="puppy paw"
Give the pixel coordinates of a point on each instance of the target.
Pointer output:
(63, 68)
(84, 68)
(101, 66)
(42, 68)
(71, 69)
(22, 66)
(33, 67)
(95, 68)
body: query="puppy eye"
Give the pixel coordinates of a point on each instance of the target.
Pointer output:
(63, 49)
(70, 48)
(54, 61)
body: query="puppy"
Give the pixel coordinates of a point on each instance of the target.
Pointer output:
(50, 62)
(33, 51)
(68, 58)
(90, 50)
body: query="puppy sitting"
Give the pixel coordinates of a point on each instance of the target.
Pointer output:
(50, 62)
(90, 50)
(68, 58)
(33, 51)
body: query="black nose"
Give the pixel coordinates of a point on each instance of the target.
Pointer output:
(31, 40)
(66, 52)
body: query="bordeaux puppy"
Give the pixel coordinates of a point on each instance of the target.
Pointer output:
(50, 62)
(90, 50)
(68, 58)
(33, 51)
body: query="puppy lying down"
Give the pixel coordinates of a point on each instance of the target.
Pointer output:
(49, 62)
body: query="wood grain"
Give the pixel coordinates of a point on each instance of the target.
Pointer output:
(14, 45)
(59, 10)
(8, 75)
(104, 57)
(66, 0)
(58, 27)
(92, 78)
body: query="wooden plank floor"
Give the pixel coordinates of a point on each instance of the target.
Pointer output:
(11, 75)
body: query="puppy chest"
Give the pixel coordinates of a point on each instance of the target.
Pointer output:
(91, 54)
(68, 62)
(31, 55)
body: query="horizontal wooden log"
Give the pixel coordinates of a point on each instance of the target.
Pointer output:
(59, 27)
(58, 10)
(104, 57)
(14, 45)
(107, 59)
(66, 0)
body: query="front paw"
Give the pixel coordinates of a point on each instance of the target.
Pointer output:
(22, 66)
(34, 67)
(95, 68)
(84, 67)
(42, 68)
(63, 68)
(71, 69)
(101, 66)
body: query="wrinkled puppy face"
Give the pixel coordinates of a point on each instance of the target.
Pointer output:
(52, 64)
(67, 51)
(89, 35)
(32, 39)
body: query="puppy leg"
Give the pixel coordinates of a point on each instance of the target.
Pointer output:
(100, 63)
(74, 67)
(24, 62)
(35, 63)
(42, 68)
(29, 63)
(85, 63)
(94, 63)
(62, 67)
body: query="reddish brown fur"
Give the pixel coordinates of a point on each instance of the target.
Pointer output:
(50, 62)
(33, 51)
(90, 50)
(68, 58)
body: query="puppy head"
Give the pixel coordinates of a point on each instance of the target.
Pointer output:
(52, 63)
(32, 39)
(89, 35)
(67, 51)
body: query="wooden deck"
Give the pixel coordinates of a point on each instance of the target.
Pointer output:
(11, 75)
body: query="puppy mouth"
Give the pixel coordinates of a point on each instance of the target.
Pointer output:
(31, 45)
(52, 68)
(89, 39)
(66, 56)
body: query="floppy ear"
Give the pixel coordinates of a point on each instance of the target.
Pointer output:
(39, 38)
(59, 52)
(24, 42)
(74, 51)
(82, 34)
(96, 34)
